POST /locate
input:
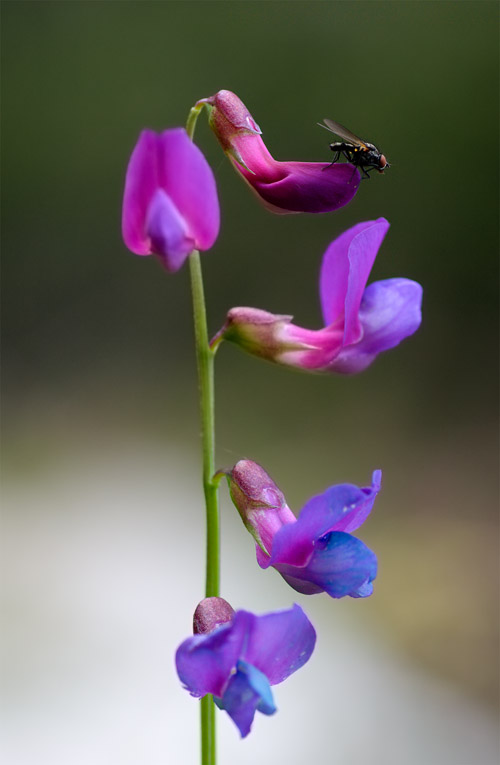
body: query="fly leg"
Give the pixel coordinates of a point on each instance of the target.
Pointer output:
(334, 160)
(351, 157)
(353, 173)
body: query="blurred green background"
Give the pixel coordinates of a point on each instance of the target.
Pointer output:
(97, 344)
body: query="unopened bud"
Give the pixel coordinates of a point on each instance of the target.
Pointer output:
(259, 501)
(211, 613)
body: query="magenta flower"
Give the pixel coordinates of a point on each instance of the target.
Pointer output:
(170, 205)
(316, 552)
(360, 321)
(238, 656)
(284, 187)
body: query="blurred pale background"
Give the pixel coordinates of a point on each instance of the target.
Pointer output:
(102, 513)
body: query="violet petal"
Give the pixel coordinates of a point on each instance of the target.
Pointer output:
(184, 173)
(280, 643)
(345, 270)
(342, 507)
(205, 662)
(391, 310)
(168, 232)
(140, 184)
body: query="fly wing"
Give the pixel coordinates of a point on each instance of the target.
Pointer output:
(343, 133)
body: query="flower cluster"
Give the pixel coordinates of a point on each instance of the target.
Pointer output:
(171, 210)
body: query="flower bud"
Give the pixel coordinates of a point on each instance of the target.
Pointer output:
(211, 613)
(258, 332)
(231, 121)
(259, 501)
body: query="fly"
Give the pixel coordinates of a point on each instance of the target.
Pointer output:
(359, 153)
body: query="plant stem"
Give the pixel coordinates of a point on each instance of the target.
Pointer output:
(208, 756)
(192, 119)
(205, 363)
(205, 360)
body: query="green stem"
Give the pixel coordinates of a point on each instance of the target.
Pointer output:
(208, 756)
(192, 119)
(205, 362)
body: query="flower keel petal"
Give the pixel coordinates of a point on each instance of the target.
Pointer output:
(340, 565)
(247, 691)
(168, 232)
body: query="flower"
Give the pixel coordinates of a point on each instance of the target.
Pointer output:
(284, 187)
(361, 321)
(316, 552)
(170, 204)
(238, 656)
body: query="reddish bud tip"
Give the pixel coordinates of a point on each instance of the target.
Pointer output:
(211, 613)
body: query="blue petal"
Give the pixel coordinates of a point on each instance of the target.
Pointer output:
(248, 690)
(364, 591)
(340, 565)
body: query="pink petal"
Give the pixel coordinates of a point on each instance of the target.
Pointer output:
(312, 187)
(172, 164)
(140, 184)
(185, 175)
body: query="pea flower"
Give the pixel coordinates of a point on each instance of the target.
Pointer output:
(316, 551)
(238, 656)
(360, 321)
(170, 204)
(283, 187)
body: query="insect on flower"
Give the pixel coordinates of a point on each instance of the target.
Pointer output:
(359, 153)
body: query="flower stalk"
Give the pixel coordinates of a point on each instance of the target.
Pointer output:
(205, 364)
(193, 115)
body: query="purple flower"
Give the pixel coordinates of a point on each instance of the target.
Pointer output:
(170, 204)
(284, 187)
(360, 321)
(239, 656)
(316, 552)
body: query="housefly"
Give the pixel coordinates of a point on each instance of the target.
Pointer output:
(359, 153)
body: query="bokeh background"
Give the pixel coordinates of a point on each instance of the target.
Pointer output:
(103, 513)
